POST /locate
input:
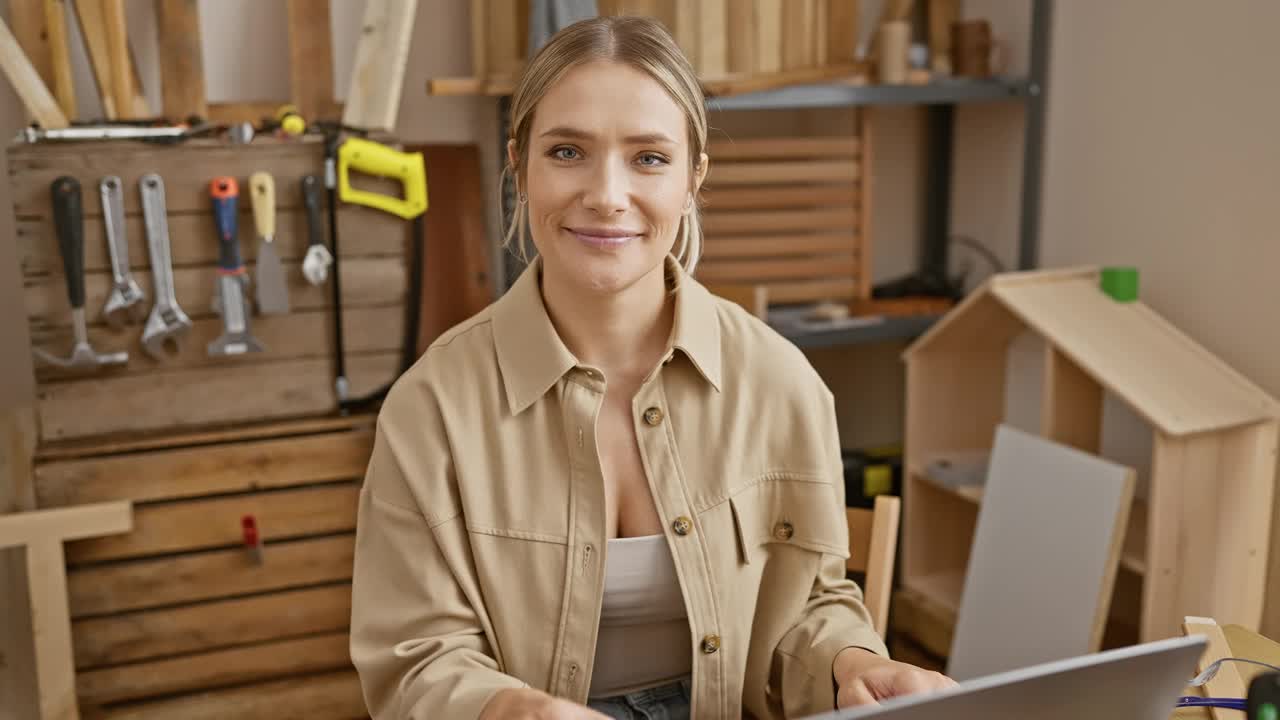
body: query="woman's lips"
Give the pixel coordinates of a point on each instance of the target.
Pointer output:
(607, 239)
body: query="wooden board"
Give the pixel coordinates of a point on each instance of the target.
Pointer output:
(769, 34)
(1072, 405)
(218, 668)
(1040, 497)
(64, 88)
(842, 31)
(64, 524)
(201, 627)
(28, 23)
(311, 58)
(192, 398)
(154, 583)
(1226, 682)
(377, 76)
(31, 89)
(215, 522)
(331, 695)
(181, 59)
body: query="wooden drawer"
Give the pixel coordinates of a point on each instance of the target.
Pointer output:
(177, 618)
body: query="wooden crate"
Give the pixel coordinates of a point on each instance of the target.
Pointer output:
(293, 378)
(789, 215)
(176, 618)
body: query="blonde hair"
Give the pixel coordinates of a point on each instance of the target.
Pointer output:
(644, 44)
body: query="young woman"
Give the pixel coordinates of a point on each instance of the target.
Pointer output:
(610, 494)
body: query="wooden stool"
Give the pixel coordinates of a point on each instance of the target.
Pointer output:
(42, 533)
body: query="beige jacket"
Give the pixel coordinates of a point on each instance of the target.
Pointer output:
(479, 547)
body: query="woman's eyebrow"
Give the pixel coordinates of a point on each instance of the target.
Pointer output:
(652, 138)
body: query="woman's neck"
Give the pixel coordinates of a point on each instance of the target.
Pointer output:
(623, 333)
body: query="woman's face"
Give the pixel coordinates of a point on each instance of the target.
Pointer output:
(607, 176)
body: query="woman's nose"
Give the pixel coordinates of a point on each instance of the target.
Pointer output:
(608, 191)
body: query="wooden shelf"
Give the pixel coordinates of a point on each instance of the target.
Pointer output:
(969, 493)
(941, 588)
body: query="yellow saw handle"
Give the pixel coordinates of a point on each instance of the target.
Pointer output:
(377, 159)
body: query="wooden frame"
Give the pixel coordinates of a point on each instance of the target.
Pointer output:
(41, 533)
(1192, 545)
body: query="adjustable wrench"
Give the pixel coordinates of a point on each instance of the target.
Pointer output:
(167, 323)
(125, 299)
(229, 299)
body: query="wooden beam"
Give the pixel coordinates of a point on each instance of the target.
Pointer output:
(181, 59)
(311, 58)
(94, 31)
(26, 81)
(117, 35)
(1227, 682)
(64, 88)
(373, 98)
(71, 523)
(842, 31)
(28, 21)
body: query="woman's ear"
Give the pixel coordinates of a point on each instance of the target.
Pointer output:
(513, 161)
(700, 172)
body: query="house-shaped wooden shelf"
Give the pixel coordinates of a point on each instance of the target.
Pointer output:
(1197, 542)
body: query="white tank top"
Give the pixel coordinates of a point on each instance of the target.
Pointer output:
(644, 638)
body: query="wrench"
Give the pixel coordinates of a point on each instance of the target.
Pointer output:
(167, 323)
(125, 299)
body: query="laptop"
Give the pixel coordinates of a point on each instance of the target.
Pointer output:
(1140, 682)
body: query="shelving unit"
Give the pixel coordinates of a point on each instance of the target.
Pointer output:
(1213, 454)
(940, 98)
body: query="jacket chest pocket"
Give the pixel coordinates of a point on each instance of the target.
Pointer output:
(801, 513)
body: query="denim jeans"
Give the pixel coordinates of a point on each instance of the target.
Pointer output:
(668, 702)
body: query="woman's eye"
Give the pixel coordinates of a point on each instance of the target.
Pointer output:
(564, 153)
(652, 160)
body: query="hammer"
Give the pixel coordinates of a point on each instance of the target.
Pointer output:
(68, 220)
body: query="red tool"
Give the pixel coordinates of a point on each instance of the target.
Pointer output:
(252, 540)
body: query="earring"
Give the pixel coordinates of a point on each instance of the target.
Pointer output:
(523, 198)
(688, 204)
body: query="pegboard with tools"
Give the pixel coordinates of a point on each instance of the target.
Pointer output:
(198, 302)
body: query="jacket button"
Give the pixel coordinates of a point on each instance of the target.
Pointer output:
(783, 531)
(682, 525)
(653, 416)
(710, 644)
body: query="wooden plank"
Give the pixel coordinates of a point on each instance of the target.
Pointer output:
(810, 291)
(768, 41)
(117, 35)
(17, 475)
(182, 59)
(741, 37)
(821, 17)
(683, 21)
(456, 269)
(26, 82)
(779, 197)
(890, 11)
(64, 88)
(294, 336)
(230, 113)
(797, 33)
(215, 522)
(757, 247)
(922, 619)
(62, 524)
(28, 23)
(367, 282)
(311, 58)
(789, 221)
(234, 467)
(1242, 530)
(882, 553)
(191, 240)
(51, 630)
(753, 298)
(1040, 497)
(842, 31)
(763, 271)
(865, 204)
(748, 173)
(35, 167)
(734, 84)
(94, 32)
(17, 493)
(373, 97)
(712, 40)
(98, 449)
(480, 69)
(141, 584)
(149, 634)
(1226, 682)
(1072, 406)
(332, 695)
(183, 399)
(790, 148)
(219, 668)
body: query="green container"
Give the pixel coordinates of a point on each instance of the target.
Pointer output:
(1121, 283)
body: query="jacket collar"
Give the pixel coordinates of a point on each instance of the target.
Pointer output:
(532, 357)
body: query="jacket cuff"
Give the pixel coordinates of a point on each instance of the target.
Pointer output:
(467, 703)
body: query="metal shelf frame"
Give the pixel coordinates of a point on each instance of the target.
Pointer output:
(940, 99)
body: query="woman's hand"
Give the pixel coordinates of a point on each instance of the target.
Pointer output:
(529, 704)
(864, 678)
